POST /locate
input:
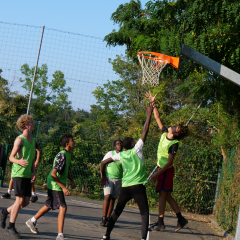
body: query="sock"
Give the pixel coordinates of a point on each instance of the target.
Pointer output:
(160, 220)
(179, 216)
(11, 225)
(60, 234)
(5, 211)
(33, 219)
(34, 194)
(9, 191)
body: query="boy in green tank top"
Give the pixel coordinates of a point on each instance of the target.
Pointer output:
(56, 184)
(23, 173)
(134, 178)
(167, 149)
(111, 190)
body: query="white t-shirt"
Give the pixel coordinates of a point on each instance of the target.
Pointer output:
(108, 155)
(138, 147)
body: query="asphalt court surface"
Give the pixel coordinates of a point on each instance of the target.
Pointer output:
(83, 218)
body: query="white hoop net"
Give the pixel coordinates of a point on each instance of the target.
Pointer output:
(151, 68)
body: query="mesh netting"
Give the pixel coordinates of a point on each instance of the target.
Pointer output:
(151, 69)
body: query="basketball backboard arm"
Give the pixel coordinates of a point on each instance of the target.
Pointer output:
(210, 64)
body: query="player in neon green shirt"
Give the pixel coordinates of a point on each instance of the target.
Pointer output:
(167, 150)
(23, 173)
(111, 190)
(134, 178)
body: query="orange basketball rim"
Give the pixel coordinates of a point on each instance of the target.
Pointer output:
(160, 58)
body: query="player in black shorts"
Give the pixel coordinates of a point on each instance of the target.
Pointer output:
(56, 183)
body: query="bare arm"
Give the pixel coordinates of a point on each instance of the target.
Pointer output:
(17, 148)
(157, 117)
(151, 99)
(102, 170)
(164, 168)
(147, 123)
(56, 179)
(38, 157)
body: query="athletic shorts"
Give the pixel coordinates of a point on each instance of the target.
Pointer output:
(55, 199)
(22, 186)
(112, 187)
(165, 180)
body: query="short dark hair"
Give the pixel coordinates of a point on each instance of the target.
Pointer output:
(115, 141)
(65, 139)
(127, 143)
(182, 133)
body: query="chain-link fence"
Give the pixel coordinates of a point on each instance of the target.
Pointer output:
(195, 180)
(80, 64)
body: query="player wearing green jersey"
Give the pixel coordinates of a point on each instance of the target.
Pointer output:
(111, 190)
(134, 178)
(56, 184)
(167, 150)
(23, 173)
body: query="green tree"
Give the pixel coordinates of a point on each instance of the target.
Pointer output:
(48, 96)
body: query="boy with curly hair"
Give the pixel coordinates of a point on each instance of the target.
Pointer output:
(167, 150)
(23, 173)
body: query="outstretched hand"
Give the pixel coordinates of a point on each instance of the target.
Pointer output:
(149, 96)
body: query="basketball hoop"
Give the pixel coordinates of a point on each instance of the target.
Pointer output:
(152, 65)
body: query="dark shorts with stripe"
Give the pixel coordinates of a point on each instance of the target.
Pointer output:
(55, 199)
(165, 180)
(22, 186)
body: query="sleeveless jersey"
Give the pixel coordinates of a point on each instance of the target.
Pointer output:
(114, 170)
(51, 184)
(28, 152)
(163, 147)
(134, 170)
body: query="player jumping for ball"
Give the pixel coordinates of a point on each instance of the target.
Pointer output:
(167, 150)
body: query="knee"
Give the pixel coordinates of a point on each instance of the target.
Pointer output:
(19, 201)
(107, 197)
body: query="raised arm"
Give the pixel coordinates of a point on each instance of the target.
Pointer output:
(147, 123)
(151, 99)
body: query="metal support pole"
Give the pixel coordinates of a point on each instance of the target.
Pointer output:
(4, 166)
(35, 72)
(237, 234)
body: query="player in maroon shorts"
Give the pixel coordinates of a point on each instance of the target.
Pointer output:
(167, 149)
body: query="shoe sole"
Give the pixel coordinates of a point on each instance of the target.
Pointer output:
(31, 228)
(176, 230)
(158, 230)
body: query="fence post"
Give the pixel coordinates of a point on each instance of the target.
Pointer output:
(35, 71)
(4, 166)
(217, 188)
(237, 234)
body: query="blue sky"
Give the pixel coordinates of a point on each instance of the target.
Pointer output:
(85, 17)
(69, 53)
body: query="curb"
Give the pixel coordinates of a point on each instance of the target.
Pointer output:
(224, 233)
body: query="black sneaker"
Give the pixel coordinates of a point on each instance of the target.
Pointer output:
(6, 196)
(3, 218)
(103, 222)
(105, 238)
(157, 227)
(34, 199)
(12, 232)
(181, 223)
